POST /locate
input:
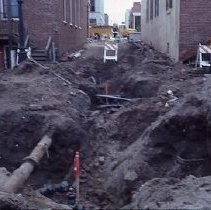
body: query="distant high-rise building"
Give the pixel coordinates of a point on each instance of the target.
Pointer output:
(135, 16)
(97, 15)
(106, 19)
(127, 18)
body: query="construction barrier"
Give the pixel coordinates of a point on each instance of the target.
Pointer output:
(203, 58)
(110, 52)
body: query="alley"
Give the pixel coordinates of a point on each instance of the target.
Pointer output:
(128, 148)
(105, 104)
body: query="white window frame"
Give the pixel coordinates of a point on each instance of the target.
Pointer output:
(76, 14)
(79, 14)
(65, 11)
(71, 12)
(2, 12)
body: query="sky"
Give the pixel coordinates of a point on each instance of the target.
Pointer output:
(116, 9)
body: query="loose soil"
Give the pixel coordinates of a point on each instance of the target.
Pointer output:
(128, 154)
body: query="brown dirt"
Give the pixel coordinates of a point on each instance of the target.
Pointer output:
(120, 149)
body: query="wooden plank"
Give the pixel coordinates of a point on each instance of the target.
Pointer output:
(112, 97)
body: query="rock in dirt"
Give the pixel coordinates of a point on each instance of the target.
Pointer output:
(101, 160)
(130, 176)
(28, 200)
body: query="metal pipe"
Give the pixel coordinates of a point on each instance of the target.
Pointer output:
(22, 53)
(20, 175)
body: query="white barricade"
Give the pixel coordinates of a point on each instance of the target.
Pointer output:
(110, 52)
(200, 60)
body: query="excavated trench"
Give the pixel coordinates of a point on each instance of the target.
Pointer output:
(183, 143)
(20, 133)
(174, 146)
(120, 149)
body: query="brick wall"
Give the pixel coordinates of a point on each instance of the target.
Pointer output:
(5, 27)
(44, 18)
(195, 25)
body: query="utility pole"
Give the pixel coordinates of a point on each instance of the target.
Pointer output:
(22, 53)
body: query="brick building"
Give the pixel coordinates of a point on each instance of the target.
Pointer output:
(65, 21)
(175, 27)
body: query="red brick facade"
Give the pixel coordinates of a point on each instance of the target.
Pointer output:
(195, 25)
(66, 24)
(44, 18)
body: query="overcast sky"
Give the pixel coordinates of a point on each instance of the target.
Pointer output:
(116, 9)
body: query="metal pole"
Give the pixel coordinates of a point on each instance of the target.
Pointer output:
(9, 16)
(77, 176)
(22, 53)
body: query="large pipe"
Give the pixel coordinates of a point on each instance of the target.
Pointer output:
(20, 175)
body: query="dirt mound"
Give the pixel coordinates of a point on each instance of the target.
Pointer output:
(26, 67)
(35, 102)
(128, 124)
(121, 148)
(140, 87)
(173, 146)
(19, 133)
(172, 193)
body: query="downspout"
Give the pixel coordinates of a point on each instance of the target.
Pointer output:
(9, 13)
(22, 53)
(88, 11)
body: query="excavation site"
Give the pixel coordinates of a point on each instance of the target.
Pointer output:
(133, 134)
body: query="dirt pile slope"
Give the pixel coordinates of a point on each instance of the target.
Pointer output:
(172, 193)
(150, 136)
(125, 155)
(175, 145)
(35, 102)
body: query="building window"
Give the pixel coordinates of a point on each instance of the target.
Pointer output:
(71, 12)
(76, 14)
(65, 11)
(157, 3)
(92, 5)
(92, 21)
(147, 12)
(169, 4)
(9, 9)
(79, 14)
(151, 9)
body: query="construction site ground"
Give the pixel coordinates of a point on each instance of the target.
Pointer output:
(150, 152)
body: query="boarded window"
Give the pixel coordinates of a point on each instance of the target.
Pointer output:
(157, 5)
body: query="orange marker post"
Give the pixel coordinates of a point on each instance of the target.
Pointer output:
(106, 90)
(77, 175)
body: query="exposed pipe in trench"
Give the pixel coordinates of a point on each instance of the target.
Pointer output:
(20, 175)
